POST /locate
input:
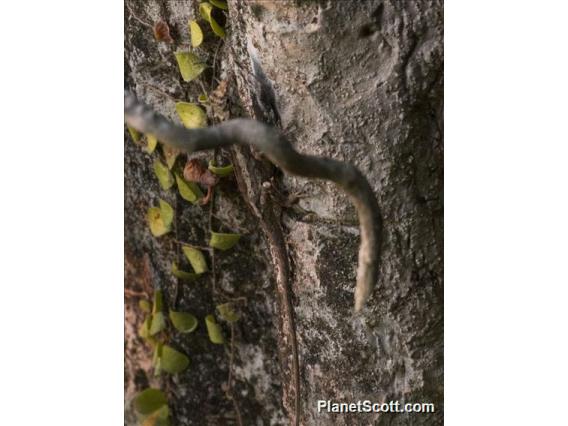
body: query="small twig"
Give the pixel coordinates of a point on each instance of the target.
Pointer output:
(195, 246)
(202, 87)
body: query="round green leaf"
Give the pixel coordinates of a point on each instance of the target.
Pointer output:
(156, 222)
(220, 171)
(227, 312)
(190, 66)
(160, 219)
(223, 241)
(163, 174)
(196, 33)
(214, 331)
(152, 143)
(191, 115)
(188, 190)
(196, 259)
(206, 9)
(220, 4)
(172, 361)
(183, 275)
(203, 98)
(149, 400)
(184, 322)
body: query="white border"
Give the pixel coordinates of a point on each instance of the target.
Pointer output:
(61, 244)
(506, 213)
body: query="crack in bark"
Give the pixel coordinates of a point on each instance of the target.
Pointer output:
(249, 173)
(273, 230)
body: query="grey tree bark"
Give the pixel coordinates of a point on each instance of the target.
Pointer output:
(357, 81)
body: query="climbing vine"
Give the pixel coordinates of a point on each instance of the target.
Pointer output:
(191, 181)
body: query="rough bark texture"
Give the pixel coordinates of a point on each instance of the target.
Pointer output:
(375, 101)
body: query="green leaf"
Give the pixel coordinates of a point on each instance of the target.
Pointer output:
(220, 4)
(145, 305)
(220, 171)
(158, 417)
(223, 241)
(214, 331)
(183, 321)
(188, 190)
(206, 10)
(160, 219)
(158, 304)
(163, 413)
(144, 330)
(183, 275)
(171, 155)
(172, 361)
(227, 312)
(156, 222)
(134, 134)
(157, 354)
(196, 259)
(152, 143)
(203, 98)
(196, 33)
(167, 213)
(190, 65)
(163, 174)
(157, 358)
(149, 401)
(191, 115)
(158, 323)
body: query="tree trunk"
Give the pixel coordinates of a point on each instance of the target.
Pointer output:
(356, 81)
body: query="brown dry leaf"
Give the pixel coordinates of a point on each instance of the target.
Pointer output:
(162, 32)
(197, 171)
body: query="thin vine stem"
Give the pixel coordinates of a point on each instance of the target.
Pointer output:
(135, 16)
